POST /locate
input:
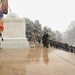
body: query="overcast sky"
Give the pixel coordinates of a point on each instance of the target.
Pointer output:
(56, 14)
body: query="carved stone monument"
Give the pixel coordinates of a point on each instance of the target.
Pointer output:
(14, 33)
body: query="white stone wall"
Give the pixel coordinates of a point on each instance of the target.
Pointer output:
(14, 28)
(14, 33)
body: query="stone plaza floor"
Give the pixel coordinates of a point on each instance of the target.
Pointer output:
(36, 61)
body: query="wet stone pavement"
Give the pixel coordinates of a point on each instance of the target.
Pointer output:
(36, 61)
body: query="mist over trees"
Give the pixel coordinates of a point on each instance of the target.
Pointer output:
(58, 36)
(33, 27)
(36, 27)
(69, 35)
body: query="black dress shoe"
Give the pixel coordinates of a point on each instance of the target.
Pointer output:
(47, 47)
(2, 39)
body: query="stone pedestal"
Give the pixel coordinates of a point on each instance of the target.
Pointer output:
(14, 33)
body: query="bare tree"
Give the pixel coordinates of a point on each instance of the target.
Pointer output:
(70, 34)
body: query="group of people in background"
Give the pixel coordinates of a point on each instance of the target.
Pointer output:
(44, 38)
(45, 41)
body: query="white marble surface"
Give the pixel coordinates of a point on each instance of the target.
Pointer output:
(14, 28)
(14, 33)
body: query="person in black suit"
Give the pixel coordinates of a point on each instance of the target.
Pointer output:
(45, 39)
